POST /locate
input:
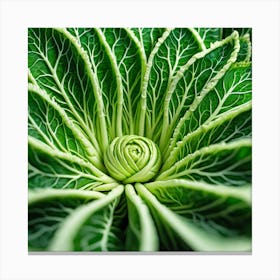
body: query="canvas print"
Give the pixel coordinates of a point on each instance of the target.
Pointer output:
(139, 139)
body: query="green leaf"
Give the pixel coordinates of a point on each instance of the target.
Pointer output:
(245, 48)
(148, 38)
(230, 96)
(222, 163)
(192, 84)
(141, 234)
(62, 69)
(225, 209)
(194, 235)
(210, 35)
(51, 126)
(230, 126)
(52, 169)
(242, 31)
(92, 227)
(171, 52)
(47, 210)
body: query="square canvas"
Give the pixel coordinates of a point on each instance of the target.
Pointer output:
(139, 139)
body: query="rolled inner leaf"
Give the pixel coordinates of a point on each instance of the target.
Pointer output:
(132, 158)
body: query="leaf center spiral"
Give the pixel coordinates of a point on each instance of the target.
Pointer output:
(132, 158)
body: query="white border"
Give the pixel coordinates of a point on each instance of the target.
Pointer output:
(263, 16)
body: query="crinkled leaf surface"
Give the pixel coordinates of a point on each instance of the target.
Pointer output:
(188, 90)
